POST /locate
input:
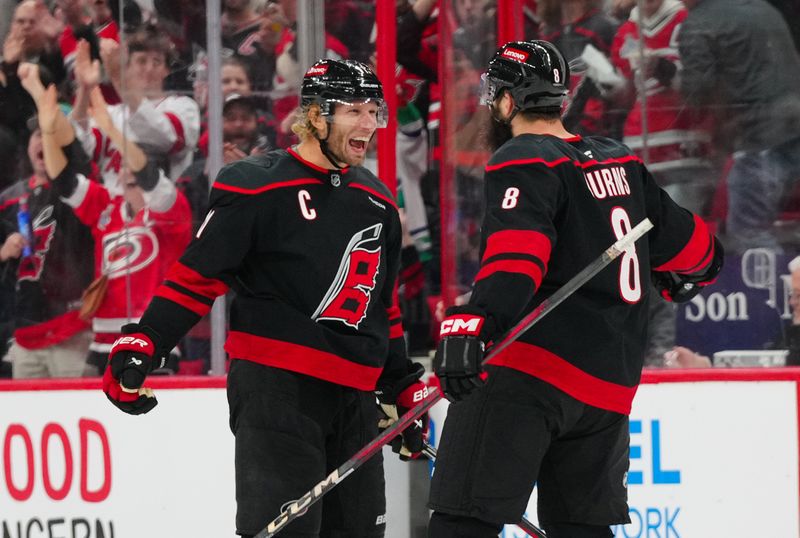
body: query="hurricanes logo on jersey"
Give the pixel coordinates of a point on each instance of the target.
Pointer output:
(128, 251)
(349, 294)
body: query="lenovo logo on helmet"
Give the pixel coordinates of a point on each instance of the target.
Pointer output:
(316, 70)
(515, 54)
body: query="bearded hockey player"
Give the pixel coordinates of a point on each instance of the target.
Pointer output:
(309, 241)
(554, 410)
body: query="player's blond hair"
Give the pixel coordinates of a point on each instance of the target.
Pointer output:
(302, 126)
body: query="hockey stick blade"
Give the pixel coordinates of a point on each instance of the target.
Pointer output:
(301, 505)
(529, 528)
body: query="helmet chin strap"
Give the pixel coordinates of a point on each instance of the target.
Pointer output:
(323, 146)
(494, 112)
(498, 119)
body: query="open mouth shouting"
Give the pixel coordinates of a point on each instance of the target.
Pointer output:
(358, 145)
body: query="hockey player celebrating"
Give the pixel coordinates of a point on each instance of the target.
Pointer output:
(310, 243)
(554, 410)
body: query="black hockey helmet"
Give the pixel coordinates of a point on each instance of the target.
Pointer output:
(328, 82)
(534, 73)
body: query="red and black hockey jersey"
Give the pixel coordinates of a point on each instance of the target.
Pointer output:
(51, 280)
(312, 255)
(133, 251)
(553, 206)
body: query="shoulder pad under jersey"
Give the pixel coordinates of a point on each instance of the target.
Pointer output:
(526, 149)
(251, 174)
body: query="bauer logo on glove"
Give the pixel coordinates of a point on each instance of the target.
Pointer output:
(397, 398)
(131, 358)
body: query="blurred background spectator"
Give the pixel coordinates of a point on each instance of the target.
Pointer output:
(739, 61)
(45, 252)
(30, 39)
(709, 104)
(240, 136)
(583, 32)
(92, 22)
(236, 80)
(659, 126)
(793, 328)
(165, 126)
(138, 235)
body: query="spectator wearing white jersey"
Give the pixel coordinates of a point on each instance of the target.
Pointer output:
(165, 126)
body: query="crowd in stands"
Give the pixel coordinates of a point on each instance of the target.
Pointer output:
(104, 170)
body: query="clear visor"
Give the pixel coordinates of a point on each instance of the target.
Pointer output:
(489, 88)
(371, 113)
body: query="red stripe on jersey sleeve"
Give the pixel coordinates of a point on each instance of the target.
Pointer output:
(695, 255)
(518, 242)
(301, 359)
(396, 330)
(395, 317)
(180, 138)
(190, 303)
(393, 312)
(549, 367)
(529, 269)
(190, 279)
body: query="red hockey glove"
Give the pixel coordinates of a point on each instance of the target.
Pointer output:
(679, 288)
(458, 357)
(130, 360)
(396, 400)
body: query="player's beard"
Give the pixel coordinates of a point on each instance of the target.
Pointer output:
(336, 145)
(497, 134)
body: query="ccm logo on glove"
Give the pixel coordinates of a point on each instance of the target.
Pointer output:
(462, 325)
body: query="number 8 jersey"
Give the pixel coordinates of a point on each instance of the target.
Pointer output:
(312, 256)
(553, 206)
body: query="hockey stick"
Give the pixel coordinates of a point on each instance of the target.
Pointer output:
(524, 524)
(300, 506)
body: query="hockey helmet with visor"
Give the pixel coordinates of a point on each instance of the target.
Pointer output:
(343, 82)
(533, 72)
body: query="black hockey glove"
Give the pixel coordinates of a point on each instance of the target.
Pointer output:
(460, 352)
(395, 400)
(130, 360)
(680, 288)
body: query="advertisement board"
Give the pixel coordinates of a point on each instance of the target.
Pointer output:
(747, 308)
(76, 467)
(713, 454)
(709, 459)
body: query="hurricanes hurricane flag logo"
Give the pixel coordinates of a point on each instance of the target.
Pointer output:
(348, 297)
